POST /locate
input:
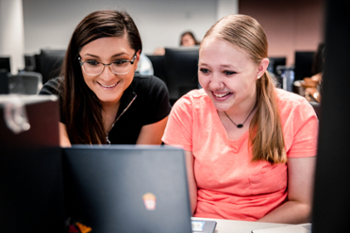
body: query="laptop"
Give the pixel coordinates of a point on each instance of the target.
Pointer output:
(127, 188)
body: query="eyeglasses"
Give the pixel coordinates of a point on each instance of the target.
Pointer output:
(119, 66)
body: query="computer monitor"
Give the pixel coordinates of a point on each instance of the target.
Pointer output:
(303, 64)
(5, 64)
(29, 62)
(332, 185)
(181, 67)
(274, 62)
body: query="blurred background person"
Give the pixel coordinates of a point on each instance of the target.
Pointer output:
(188, 39)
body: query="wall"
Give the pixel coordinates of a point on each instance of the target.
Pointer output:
(11, 33)
(290, 25)
(50, 23)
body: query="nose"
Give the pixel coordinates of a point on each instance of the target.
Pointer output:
(216, 82)
(107, 73)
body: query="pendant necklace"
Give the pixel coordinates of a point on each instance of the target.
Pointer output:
(240, 125)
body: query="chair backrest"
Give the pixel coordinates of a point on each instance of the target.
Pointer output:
(317, 108)
(27, 83)
(158, 66)
(181, 67)
(50, 62)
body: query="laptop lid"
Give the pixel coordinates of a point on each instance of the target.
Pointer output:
(122, 188)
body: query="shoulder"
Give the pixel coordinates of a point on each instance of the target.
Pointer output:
(288, 99)
(196, 99)
(146, 81)
(293, 105)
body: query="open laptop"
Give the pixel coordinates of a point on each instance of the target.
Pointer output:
(122, 188)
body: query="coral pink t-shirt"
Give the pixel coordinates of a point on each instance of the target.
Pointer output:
(230, 186)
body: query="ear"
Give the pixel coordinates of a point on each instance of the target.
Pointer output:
(262, 67)
(137, 58)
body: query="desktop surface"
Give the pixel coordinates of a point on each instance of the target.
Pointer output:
(235, 226)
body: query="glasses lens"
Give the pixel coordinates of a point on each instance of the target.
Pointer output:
(92, 68)
(121, 66)
(96, 68)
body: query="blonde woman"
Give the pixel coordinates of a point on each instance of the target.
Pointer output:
(250, 148)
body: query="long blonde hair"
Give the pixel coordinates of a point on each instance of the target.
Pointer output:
(265, 130)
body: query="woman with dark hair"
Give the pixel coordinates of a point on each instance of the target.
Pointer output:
(103, 101)
(250, 147)
(188, 39)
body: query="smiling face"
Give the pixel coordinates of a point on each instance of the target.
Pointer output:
(107, 86)
(227, 74)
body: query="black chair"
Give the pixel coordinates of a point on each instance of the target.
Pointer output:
(49, 63)
(181, 67)
(317, 107)
(158, 66)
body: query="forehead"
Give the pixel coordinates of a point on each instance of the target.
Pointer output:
(215, 48)
(107, 45)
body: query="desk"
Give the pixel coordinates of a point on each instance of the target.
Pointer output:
(233, 226)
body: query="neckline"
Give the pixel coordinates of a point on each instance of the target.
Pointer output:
(222, 128)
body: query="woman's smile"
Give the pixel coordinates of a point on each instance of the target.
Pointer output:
(108, 86)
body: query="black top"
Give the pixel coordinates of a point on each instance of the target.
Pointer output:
(151, 104)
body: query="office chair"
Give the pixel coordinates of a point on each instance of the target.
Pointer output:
(49, 63)
(26, 83)
(158, 65)
(181, 67)
(317, 107)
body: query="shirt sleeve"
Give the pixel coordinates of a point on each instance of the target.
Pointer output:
(52, 87)
(178, 131)
(305, 131)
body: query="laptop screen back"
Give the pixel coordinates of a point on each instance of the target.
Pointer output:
(127, 188)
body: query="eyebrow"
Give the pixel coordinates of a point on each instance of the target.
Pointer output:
(223, 66)
(115, 55)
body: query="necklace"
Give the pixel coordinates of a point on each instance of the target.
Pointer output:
(240, 125)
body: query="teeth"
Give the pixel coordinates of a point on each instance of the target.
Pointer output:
(109, 86)
(221, 95)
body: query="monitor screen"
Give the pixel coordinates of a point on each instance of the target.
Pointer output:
(274, 62)
(303, 64)
(5, 64)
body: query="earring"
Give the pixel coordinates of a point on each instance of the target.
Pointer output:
(258, 77)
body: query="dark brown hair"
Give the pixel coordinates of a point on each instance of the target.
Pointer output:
(196, 42)
(265, 130)
(81, 109)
